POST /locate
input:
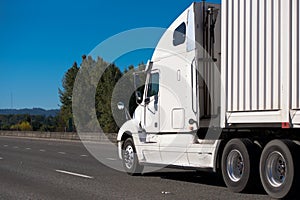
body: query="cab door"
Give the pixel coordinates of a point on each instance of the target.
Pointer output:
(150, 119)
(151, 112)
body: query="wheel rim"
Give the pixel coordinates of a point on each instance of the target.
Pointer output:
(129, 157)
(276, 169)
(235, 165)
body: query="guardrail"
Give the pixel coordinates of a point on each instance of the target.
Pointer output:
(97, 137)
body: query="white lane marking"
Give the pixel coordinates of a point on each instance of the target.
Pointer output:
(61, 152)
(111, 159)
(28, 148)
(83, 155)
(42, 150)
(5, 145)
(1, 158)
(15, 147)
(74, 174)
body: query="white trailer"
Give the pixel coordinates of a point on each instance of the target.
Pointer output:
(223, 94)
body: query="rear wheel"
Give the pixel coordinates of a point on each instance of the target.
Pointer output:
(278, 168)
(239, 165)
(130, 160)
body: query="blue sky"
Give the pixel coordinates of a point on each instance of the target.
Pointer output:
(40, 40)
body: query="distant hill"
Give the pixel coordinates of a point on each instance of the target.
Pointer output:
(33, 111)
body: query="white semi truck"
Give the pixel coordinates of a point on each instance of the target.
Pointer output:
(222, 93)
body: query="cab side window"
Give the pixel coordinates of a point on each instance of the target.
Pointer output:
(179, 34)
(153, 86)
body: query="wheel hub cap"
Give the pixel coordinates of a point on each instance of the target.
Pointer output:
(129, 157)
(235, 165)
(276, 169)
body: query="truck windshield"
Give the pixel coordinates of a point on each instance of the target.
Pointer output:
(153, 86)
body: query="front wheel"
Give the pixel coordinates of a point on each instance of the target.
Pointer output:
(130, 160)
(279, 168)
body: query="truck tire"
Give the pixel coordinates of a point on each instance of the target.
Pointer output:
(279, 168)
(130, 159)
(240, 165)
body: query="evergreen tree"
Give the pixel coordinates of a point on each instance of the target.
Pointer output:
(104, 98)
(65, 94)
(103, 105)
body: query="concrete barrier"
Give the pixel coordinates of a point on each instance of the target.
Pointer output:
(97, 137)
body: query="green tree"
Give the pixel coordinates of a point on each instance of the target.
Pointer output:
(84, 97)
(103, 99)
(65, 94)
(103, 105)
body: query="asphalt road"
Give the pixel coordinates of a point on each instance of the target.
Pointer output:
(54, 169)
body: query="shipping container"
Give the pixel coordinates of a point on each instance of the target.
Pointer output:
(260, 61)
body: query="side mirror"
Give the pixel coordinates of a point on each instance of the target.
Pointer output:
(138, 95)
(148, 66)
(147, 100)
(120, 105)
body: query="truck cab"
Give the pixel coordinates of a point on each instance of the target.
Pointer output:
(176, 99)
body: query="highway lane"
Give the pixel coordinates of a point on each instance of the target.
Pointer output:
(54, 169)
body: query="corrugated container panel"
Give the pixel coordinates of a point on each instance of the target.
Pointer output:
(253, 9)
(276, 52)
(248, 47)
(229, 54)
(235, 52)
(285, 58)
(253, 54)
(241, 59)
(295, 54)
